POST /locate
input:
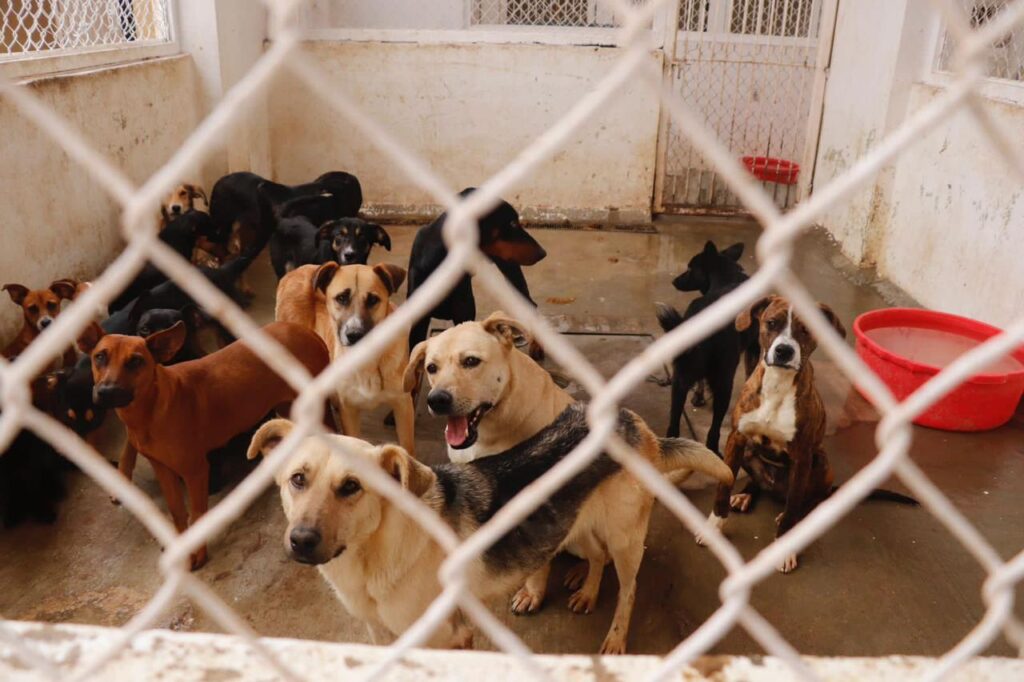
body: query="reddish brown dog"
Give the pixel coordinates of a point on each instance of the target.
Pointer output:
(175, 415)
(778, 422)
(39, 308)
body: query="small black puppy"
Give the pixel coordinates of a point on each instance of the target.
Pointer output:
(504, 241)
(714, 273)
(296, 242)
(350, 240)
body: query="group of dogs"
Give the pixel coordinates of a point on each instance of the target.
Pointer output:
(507, 421)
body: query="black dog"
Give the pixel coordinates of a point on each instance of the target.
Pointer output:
(502, 239)
(714, 359)
(236, 199)
(350, 240)
(159, 319)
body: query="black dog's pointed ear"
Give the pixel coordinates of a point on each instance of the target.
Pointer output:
(324, 275)
(833, 319)
(710, 249)
(747, 317)
(140, 306)
(734, 252)
(380, 236)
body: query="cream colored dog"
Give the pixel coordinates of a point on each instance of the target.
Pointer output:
(342, 304)
(384, 566)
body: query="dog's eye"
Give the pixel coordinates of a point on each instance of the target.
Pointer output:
(470, 361)
(338, 244)
(344, 298)
(100, 359)
(349, 488)
(372, 300)
(431, 368)
(34, 309)
(772, 324)
(51, 306)
(143, 331)
(134, 362)
(298, 480)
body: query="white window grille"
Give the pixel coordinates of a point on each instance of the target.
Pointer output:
(30, 27)
(579, 13)
(781, 18)
(775, 251)
(1003, 56)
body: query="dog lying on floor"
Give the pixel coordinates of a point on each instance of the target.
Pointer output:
(495, 397)
(383, 565)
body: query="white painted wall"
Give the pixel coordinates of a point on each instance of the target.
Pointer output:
(57, 222)
(468, 110)
(943, 220)
(435, 14)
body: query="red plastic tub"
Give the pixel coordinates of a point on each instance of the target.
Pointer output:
(770, 169)
(906, 347)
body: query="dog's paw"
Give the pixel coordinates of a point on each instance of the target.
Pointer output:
(198, 559)
(524, 601)
(788, 564)
(581, 601)
(716, 521)
(740, 502)
(576, 575)
(613, 645)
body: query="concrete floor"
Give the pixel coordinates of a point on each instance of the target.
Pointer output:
(886, 580)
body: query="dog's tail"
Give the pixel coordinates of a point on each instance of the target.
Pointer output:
(683, 453)
(668, 317)
(887, 496)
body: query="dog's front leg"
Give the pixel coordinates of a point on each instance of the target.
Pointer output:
(799, 480)
(198, 486)
(126, 464)
(405, 422)
(531, 595)
(734, 449)
(351, 419)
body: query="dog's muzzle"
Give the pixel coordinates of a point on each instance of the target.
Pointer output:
(305, 546)
(782, 355)
(112, 395)
(44, 322)
(461, 430)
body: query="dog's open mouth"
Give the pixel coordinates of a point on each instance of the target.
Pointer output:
(460, 432)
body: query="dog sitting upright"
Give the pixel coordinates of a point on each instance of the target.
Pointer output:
(384, 567)
(39, 308)
(176, 415)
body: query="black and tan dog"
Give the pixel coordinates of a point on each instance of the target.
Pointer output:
(384, 566)
(779, 424)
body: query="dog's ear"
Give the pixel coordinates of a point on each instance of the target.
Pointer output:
(268, 436)
(379, 235)
(17, 292)
(506, 329)
(710, 249)
(734, 252)
(165, 344)
(195, 192)
(415, 477)
(747, 317)
(833, 319)
(324, 233)
(391, 275)
(65, 288)
(91, 336)
(324, 275)
(414, 369)
(139, 307)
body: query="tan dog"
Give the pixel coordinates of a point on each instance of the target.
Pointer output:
(384, 566)
(342, 305)
(39, 308)
(496, 397)
(182, 199)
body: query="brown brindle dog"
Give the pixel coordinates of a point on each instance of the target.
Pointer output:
(174, 415)
(39, 307)
(778, 422)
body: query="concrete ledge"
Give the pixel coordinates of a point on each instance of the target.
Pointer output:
(201, 656)
(536, 215)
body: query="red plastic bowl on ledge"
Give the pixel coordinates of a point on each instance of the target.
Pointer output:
(906, 347)
(770, 169)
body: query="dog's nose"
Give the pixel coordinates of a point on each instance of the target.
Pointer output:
(353, 335)
(304, 540)
(439, 401)
(45, 322)
(348, 256)
(784, 353)
(175, 209)
(111, 395)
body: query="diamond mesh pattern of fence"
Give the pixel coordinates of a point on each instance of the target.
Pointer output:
(33, 26)
(775, 251)
(1003, 57)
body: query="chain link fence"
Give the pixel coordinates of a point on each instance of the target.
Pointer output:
(33, 26)
(774, 249)
(1002, 58)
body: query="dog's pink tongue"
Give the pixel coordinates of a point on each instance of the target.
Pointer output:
(457, 431)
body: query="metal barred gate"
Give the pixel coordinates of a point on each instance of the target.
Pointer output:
(754, 71)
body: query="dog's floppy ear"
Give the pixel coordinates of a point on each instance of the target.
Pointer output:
(65, 288)
(194, 191)
(17, 292)
(324, 275)
(504, 328)
(747, 317)
(391, 275)
(90, 337)
(379, 235)
(415, 477)
(415, 367)
(268, 436)
(165, 344)
(734, 252)
(833, 319)
(325, 231)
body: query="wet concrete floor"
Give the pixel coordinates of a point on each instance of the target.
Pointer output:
(886, 579)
